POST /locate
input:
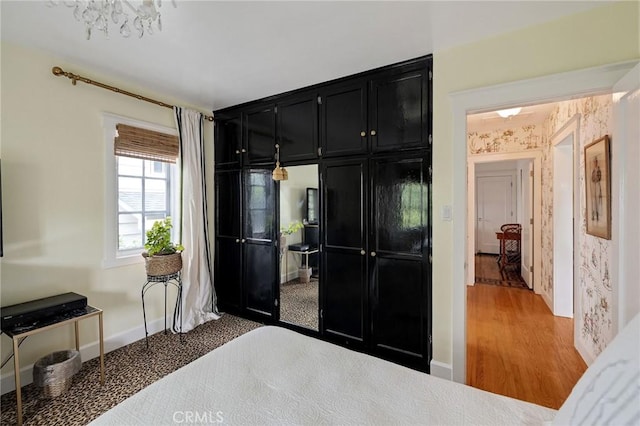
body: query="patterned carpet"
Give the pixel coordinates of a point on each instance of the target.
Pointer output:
(299, 303)
(488, 272)
(128, 370)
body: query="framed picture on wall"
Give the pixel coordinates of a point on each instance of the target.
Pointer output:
(597, 178)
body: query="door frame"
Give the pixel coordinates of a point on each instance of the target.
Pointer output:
(549, 88)
(558, 306)
(514, 202)
(536, 157)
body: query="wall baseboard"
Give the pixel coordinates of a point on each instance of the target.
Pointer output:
(586, 355)
(87, 352)
(288, 277)
(547, 300)
(441, 370)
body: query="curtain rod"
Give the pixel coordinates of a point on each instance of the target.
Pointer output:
(57, 71)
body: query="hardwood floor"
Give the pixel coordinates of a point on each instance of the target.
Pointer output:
(517, 348)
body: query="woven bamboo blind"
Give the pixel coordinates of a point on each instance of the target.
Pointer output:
(145, 144)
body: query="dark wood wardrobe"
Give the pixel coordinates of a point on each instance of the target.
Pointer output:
(370, 134)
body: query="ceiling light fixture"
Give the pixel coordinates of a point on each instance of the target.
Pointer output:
(96, 15)
(508, 113)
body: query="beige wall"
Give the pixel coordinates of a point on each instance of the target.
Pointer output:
(604, 35)
(53, 171)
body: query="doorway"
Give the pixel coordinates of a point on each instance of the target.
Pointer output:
(550, 88)
(495, 206)
(299, 237)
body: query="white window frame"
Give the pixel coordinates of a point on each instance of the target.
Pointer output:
(113, 257)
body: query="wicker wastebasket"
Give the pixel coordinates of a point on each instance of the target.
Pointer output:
(54, 372)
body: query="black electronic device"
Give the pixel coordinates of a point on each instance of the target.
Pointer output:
(27, 313)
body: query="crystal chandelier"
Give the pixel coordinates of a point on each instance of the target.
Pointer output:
(96, 15)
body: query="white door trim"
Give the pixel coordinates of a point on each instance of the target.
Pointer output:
(560, 307)
(472, 160)
(549, 88)
(625, 197)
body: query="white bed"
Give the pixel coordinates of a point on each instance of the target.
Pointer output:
(276, 376)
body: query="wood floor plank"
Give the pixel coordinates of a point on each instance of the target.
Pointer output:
(517, 348)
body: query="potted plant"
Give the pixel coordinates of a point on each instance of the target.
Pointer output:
(162, 256)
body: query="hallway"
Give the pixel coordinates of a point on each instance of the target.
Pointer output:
(517, 348)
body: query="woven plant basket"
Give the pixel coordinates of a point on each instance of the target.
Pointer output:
(166, 264)
(54, 372)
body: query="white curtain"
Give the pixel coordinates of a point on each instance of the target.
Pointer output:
(198, 294)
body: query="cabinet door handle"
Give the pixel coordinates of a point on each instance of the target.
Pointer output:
(363, 134)
(237, 240)
(373, 254)
(243, 240)
(373, 133)
(237, 151)
(362, 252)
(244, 150)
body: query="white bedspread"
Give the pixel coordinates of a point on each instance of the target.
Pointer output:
(276, 376)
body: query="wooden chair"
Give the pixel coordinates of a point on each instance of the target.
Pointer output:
(510, 245)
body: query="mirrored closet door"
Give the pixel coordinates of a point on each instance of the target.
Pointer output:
(299, 247)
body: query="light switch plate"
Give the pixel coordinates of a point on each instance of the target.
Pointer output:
(446, 213)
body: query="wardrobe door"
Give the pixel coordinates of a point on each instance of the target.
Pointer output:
(228, 140)
(343, 276)
(398, 110)
(260, 251)
(343, 119)
(260, 135)
(228, 261)
(399, 248)
(298, 127)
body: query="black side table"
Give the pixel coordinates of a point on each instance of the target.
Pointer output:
(174, 279)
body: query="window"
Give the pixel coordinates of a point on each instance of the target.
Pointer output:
(142, 185)
(144, 196)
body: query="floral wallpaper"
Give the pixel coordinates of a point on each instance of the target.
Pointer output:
(514, 139)
(595, 322)
(596, 120)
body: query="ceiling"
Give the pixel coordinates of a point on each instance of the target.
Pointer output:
(214, 54)
(487, 121)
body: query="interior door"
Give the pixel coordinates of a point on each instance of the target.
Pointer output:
(343, 275)
(260, 250)
(228, 139)
(495, 207)
(526, 269)
(399, 248)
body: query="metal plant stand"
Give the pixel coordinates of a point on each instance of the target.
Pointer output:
(174, 279)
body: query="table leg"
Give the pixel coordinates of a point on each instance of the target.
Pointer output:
(77, 336)
(16, 369)
(101, 348)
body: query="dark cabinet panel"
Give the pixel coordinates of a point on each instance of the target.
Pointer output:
(343, 119)
(260, 134)
(398, 307)
(398, 105)
(260, 270)
(228, 214)
(259, 200)
(399, 244)
(343, 276)
(228, 140)
(260, 252)
(228, 273)
(344, 295)
(298, 127)
(344, 204)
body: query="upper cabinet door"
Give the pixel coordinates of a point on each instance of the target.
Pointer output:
(398, 110)
(228, 140)
(343, 119)
(298, 127)
(260, 134)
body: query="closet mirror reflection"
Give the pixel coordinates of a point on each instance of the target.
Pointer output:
(299, 243)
